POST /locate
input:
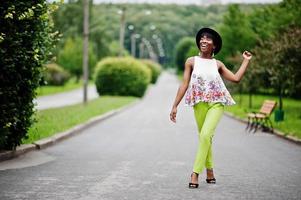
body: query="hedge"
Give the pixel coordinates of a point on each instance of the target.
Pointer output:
(122, 76)
(25, 41)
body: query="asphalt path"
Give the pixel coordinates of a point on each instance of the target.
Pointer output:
(140, 154)
(65, 98)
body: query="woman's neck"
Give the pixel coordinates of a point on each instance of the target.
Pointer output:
(206, 56)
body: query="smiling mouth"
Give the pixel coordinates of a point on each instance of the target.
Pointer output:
(204, 45)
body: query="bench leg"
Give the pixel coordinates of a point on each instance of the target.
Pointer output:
(252, 124)
(248, 124)
(256, 124)
(271, 125)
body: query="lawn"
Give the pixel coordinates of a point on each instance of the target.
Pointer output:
(292, 112)
(50, 89)
(52, 121)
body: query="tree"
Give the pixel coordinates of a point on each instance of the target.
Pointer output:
(236, 33)
(280, 56)
(71, 57)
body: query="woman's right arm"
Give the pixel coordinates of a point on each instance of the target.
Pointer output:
(182, 88)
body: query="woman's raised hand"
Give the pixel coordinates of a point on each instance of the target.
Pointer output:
(247, 55)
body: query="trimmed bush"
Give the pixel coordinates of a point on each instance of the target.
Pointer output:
(122, 76)
(155, 68)
(55, 75)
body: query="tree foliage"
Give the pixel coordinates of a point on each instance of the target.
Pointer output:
(236, 33)
(71, 56)
(171, 23)
(260, 30)
(280, 56)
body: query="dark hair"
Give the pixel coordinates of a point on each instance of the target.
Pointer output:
(209, 35)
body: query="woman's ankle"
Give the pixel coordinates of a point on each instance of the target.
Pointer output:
(210, 173)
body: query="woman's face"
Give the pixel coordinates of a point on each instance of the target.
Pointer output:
(206, 44)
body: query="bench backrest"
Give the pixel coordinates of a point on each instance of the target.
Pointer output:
(268, 107)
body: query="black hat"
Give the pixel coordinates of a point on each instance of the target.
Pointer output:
(217, 40)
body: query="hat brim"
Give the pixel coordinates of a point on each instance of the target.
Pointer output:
(217, 42)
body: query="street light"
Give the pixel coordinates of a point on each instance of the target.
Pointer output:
(154, 36)
(131, 27)
(148, 12)
(152, 27)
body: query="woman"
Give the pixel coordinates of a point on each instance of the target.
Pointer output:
(206, 92)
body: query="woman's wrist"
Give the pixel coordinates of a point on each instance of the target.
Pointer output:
(246, 61)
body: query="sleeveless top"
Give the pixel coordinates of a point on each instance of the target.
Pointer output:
(206, 84)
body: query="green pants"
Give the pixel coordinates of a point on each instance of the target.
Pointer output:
(207, 116)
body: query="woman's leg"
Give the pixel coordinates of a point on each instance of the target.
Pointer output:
(213, 115)
(200, 111)
(209, 159)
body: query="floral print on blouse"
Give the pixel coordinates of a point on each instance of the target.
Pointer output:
(211, 90)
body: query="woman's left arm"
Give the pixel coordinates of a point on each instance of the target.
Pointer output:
(227, 74)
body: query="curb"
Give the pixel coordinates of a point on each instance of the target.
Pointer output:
(6, 155)
(276, 132)
(46, 142)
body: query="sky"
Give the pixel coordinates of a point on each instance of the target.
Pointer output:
(185, 1)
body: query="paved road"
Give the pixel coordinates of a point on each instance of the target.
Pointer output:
(139, 154)
(65, 98)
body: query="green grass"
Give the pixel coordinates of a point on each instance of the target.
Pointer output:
(70, 85)
(292, 112)
(52, 121)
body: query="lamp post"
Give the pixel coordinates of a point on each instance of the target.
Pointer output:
(85, 49)
(141, 49)
(160, 48)
(133, 43)
(133, 50)
(121, 32)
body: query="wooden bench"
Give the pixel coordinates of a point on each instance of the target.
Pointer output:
(262, 118)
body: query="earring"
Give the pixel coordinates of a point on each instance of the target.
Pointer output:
(212, 54)
(199, 53)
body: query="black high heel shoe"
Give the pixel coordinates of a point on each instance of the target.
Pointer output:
(193, 185)
(211, 181)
